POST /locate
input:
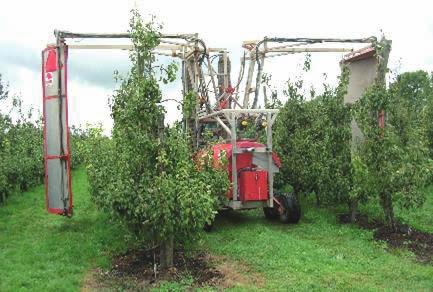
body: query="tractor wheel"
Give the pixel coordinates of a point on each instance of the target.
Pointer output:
(270, 213)
(290, 210)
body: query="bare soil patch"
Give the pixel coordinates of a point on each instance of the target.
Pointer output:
(420, 243)
(135, 270)
(402, 236)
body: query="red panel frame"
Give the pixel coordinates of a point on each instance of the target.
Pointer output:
(67, 156)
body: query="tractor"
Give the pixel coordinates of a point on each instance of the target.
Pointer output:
(219, 107)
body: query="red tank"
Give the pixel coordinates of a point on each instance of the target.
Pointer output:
(252, 180)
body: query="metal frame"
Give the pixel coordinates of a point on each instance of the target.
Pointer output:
(188, 47)
(197, 69)
(198, 75)
(58, 190)
(259, 50)
(255, 55)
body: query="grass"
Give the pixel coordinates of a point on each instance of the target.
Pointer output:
(418, 218)
(42, 252)
(421, 218)
(316, 254)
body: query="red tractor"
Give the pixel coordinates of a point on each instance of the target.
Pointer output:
(251, 165)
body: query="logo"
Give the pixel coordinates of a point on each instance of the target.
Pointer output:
(49, 79)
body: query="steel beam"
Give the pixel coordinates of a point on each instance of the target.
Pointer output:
(91, 35)
(314, 40)
(239, 111)
(232, 121)
(270, 159)
(308, 50)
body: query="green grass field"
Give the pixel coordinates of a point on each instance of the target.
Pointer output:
(42, 252)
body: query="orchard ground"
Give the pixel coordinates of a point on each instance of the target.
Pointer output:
(42, 252)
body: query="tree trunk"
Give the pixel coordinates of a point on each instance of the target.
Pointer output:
(3, 198)
(388, 209)
(318, 200)
(353, 210)
(297, 195)
(166, 253)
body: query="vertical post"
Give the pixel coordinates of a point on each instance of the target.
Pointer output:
(249, 80)
(212, 77)
(258, 80)
(382, 69)
(224, 69)
(185, 90)
(196, 125)
(234, 155)
(270, 161)
(60, 50)
(240, 76)
(189, 85)
(196, 90)
(226, 80)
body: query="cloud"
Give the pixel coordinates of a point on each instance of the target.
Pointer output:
(12, 54)
(225, 23)
(95, 67)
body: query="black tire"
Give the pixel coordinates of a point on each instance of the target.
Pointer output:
(270, 213)
(291, 212)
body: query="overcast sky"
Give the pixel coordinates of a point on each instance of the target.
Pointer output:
(27, 26)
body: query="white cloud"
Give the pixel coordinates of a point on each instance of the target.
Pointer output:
(26, 27)
(89, 104)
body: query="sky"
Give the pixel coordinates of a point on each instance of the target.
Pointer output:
(26, 27)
